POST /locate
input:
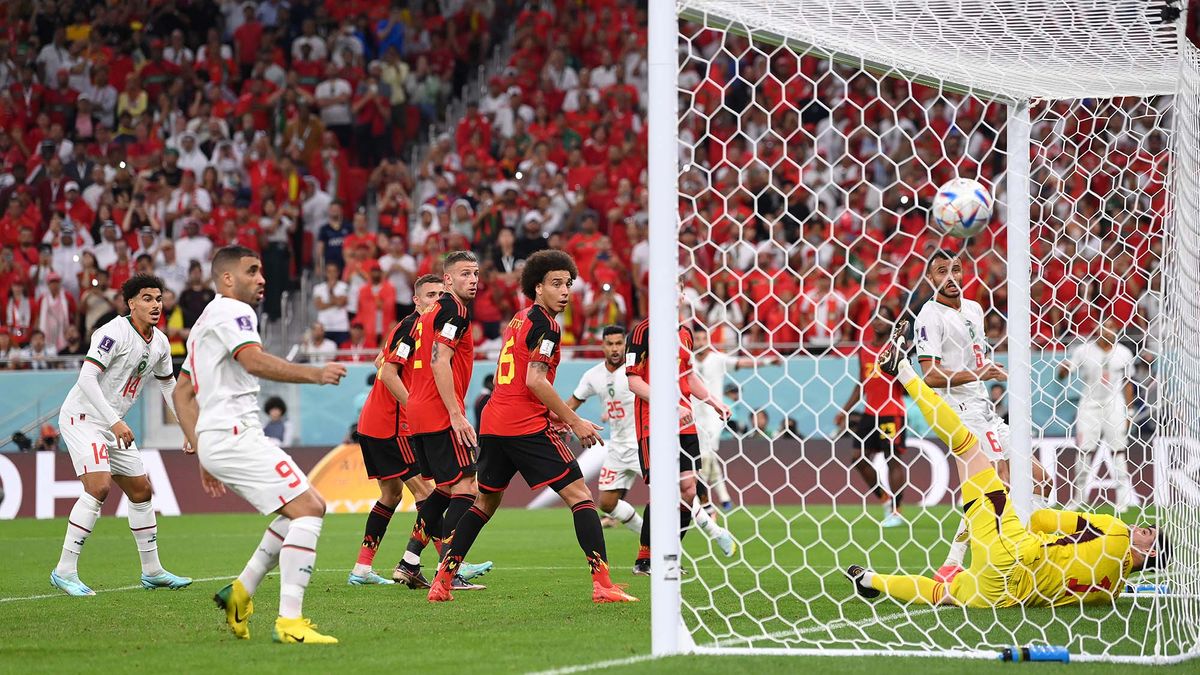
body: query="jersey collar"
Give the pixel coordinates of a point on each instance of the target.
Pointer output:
(131, 325)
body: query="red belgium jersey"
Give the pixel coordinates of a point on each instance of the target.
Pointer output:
(382, 415)
(884, 396)
(448, 324)
(513, 410)
(637, 362)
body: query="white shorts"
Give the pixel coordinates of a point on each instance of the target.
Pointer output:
(620, 468)
(248, 463)
(93, 448)
(1107, 422)
(980, 417)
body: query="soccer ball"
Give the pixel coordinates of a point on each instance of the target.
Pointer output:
(962, 207)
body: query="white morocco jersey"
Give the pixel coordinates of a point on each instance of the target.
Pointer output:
(712, 369)
(613, 389)
(124, 358)
(1103, 373)
(954, 339)
(226, 393)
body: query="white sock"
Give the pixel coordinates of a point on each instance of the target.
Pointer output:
(266, 556)
(297, 559)
(80, 524)
(718, 488)
(704, 521)
(958, 547)
(144, 525)
(628, 516)
(412, 558)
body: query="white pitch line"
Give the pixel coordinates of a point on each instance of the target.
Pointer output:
(599, 665)
(842, 623)
(138, 587)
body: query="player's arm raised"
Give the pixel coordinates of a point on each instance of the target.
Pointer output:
(702, 394)
(443, 379)
(538, 381)
(270, 367)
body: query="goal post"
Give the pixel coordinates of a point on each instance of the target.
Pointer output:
(794, 146)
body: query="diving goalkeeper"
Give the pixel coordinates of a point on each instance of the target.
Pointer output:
(1062, 558)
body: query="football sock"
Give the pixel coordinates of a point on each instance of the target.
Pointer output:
(628, 516)
(704, 521)
(940, 416)
(685, 519)
(645, 536)
(907, 587)
(80, 524)
(590, 535)
(297, 559)
(266, 556)
(643, 552)
(958, 547)
(463, 538)
(144, 525)
(427, 525)
(377, 524)
(459, 504)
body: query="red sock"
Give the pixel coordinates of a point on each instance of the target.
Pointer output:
(437, 545)
(643, 553)
(600, 575)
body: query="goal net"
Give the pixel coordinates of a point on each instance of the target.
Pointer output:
(811, 137)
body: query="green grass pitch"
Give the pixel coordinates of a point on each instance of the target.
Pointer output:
(536, 614)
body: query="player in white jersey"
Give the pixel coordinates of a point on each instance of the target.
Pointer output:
(956, 362)
(1104, 367)
(218, 410)
(712, 366)
(621, 468)
(91, 421)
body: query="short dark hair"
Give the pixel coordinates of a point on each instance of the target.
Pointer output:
(940, 254)
(427, 279)
(230, 255)
(455, 257)
(1162, 552)
(538, 265)
(612, 329)
(142, 256)
(275, 402)
(138, 283)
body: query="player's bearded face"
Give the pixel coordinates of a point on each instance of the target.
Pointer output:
(248, 281)
(614, 349)
(946, 277)
(464, 279)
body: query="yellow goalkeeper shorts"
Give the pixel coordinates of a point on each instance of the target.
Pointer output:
(1000, 547)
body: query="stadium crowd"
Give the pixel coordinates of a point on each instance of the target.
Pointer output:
(142, 136)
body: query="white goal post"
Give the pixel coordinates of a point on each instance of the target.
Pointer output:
(1064, 71)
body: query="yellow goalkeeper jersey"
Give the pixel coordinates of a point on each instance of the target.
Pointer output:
(1082, 557)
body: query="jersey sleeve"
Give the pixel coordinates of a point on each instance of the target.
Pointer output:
(542, 338)
(237, 332)
(401, 345)
(585, 390)
(450, 323)
(928, 336)
(163, 369)
(637, 352)
(106, 343)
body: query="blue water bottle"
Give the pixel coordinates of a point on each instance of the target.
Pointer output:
(1035, 653)
(1147, 589)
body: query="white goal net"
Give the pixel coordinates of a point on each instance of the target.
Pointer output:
(810, 137)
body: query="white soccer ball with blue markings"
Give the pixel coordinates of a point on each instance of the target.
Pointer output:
(962, 207)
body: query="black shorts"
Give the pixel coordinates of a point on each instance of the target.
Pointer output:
(689, 455)
(543, 459)
(441, 458)
(880, 434)
(386, 458)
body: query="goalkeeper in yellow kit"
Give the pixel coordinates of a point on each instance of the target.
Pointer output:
(1062, 558)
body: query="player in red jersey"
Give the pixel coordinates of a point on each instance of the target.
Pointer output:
(880, 427)
(637, 368)
(516, 434)
(442, 439)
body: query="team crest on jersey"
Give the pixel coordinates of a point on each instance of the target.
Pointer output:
(106, 344)
(245, 323)
(141, 368)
